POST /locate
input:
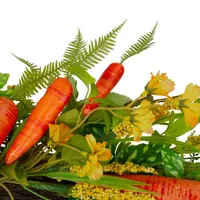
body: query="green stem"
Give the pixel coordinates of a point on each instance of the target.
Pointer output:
(40, 167)
(36, 194)
(7, 190)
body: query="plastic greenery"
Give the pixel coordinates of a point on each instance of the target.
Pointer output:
(83, 151)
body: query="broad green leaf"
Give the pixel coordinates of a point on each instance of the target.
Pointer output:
(73, 157)
(177, 127)
(93, 91)
(116, 99)
(105, 181)
(195, 175)
(82, 74)
(116, 120)
(69, 118)
(79, 142)
(3, 79)
(21, 175)
(74, 85)
(51, 187)
(107, 119)
(172, 163)
(16, 173)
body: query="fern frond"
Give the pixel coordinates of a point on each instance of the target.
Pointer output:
(97, 49)
(25, 106)
(31, 81)
(32, 66)
(143, 43)
(75, 48)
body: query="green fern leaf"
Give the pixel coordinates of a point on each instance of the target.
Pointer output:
(98, 49)
(143, 43)
(25, 106)
(75, 48)
(32, 66)
(31, 81)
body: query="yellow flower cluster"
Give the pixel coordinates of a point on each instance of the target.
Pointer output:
(123, 129)
(194, 140)
(138, 122)
(120, 168)
(129, 167)
(86, 191)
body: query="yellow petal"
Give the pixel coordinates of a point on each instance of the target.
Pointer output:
(191, 114)
(93, 159)
(99, 146)
(54, 132)
(160, 84)
(104, 155)
(86, 169)
(144, 122)
(137, 133)
(91, 142)
(96, 172)
(192, 92)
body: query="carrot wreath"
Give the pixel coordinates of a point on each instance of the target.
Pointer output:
(8, 117)
(105, 84)
(47, 109)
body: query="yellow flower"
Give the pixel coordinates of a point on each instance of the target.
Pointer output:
(142, 120)
(58, 133)
(190, 109)
(93, 168)
(159, 85)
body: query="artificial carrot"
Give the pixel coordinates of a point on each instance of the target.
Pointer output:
(105, 84)
(8, 117)
(169, 188)
(45, 112)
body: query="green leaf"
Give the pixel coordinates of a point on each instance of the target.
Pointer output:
(3, 79)
(79, 142)
(16, 173)
(114, 99)
(82, 74)
(93, 91)
(51, 187)
(74, 85)
(74, 49)
(73, 157)
(69, 118)
(107, 119)
(143, 43)
(105, 181)
(25, 106)
(177, 126)
(32, 66)
(32, 80)
(194, 175)
(97, 49)
(172, 163)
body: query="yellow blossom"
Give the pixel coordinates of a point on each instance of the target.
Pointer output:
(93, 168)
(58, 133)
(159, 85)
(142, 120)
(139, 121)
(190, 109)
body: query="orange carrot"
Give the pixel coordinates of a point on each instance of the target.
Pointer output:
(8, 117)
(169, 188)
(45, 112)
(105, 84)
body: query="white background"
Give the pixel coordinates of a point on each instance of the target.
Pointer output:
(40, 30)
